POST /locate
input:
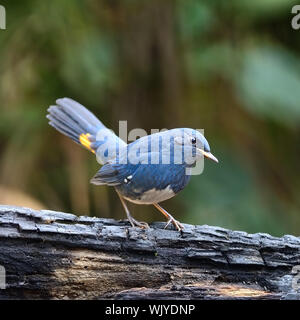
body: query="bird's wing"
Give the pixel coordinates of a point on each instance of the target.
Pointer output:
(159, 177)
(143, 176)
(114, 173)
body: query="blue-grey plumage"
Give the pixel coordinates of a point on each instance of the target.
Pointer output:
(76, 122)
(144, 183)
(149, 170)
(155, 166)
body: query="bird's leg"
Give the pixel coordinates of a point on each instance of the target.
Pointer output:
(134, 223)
(176, 223)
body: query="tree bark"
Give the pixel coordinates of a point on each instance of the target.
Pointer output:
(55, 255)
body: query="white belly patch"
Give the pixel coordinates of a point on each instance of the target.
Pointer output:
(154, 196)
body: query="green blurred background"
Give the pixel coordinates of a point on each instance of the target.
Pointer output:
(230, 67)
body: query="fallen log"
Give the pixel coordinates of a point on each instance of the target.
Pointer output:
(55, 255)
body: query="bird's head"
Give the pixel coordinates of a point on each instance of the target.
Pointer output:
(194, 140)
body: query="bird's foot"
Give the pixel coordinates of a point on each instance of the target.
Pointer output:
(139, 224)
(176, 224)
(133, 222)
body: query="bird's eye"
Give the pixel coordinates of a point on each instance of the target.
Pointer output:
(193, 140)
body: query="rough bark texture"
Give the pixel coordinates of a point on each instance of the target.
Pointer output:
(55, 255)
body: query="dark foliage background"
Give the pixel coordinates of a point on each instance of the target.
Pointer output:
(230, 67)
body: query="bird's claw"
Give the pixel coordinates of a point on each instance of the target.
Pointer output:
(176, 224)
(142, 225)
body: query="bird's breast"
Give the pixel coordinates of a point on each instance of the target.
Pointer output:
(152, 196)
(154, 183)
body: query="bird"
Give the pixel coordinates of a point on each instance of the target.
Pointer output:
(147, 171)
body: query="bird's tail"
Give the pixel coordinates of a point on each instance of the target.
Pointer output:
(76, 122)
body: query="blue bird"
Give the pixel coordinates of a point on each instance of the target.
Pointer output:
(150, 170)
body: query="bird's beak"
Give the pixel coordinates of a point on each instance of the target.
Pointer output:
(209, 155)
